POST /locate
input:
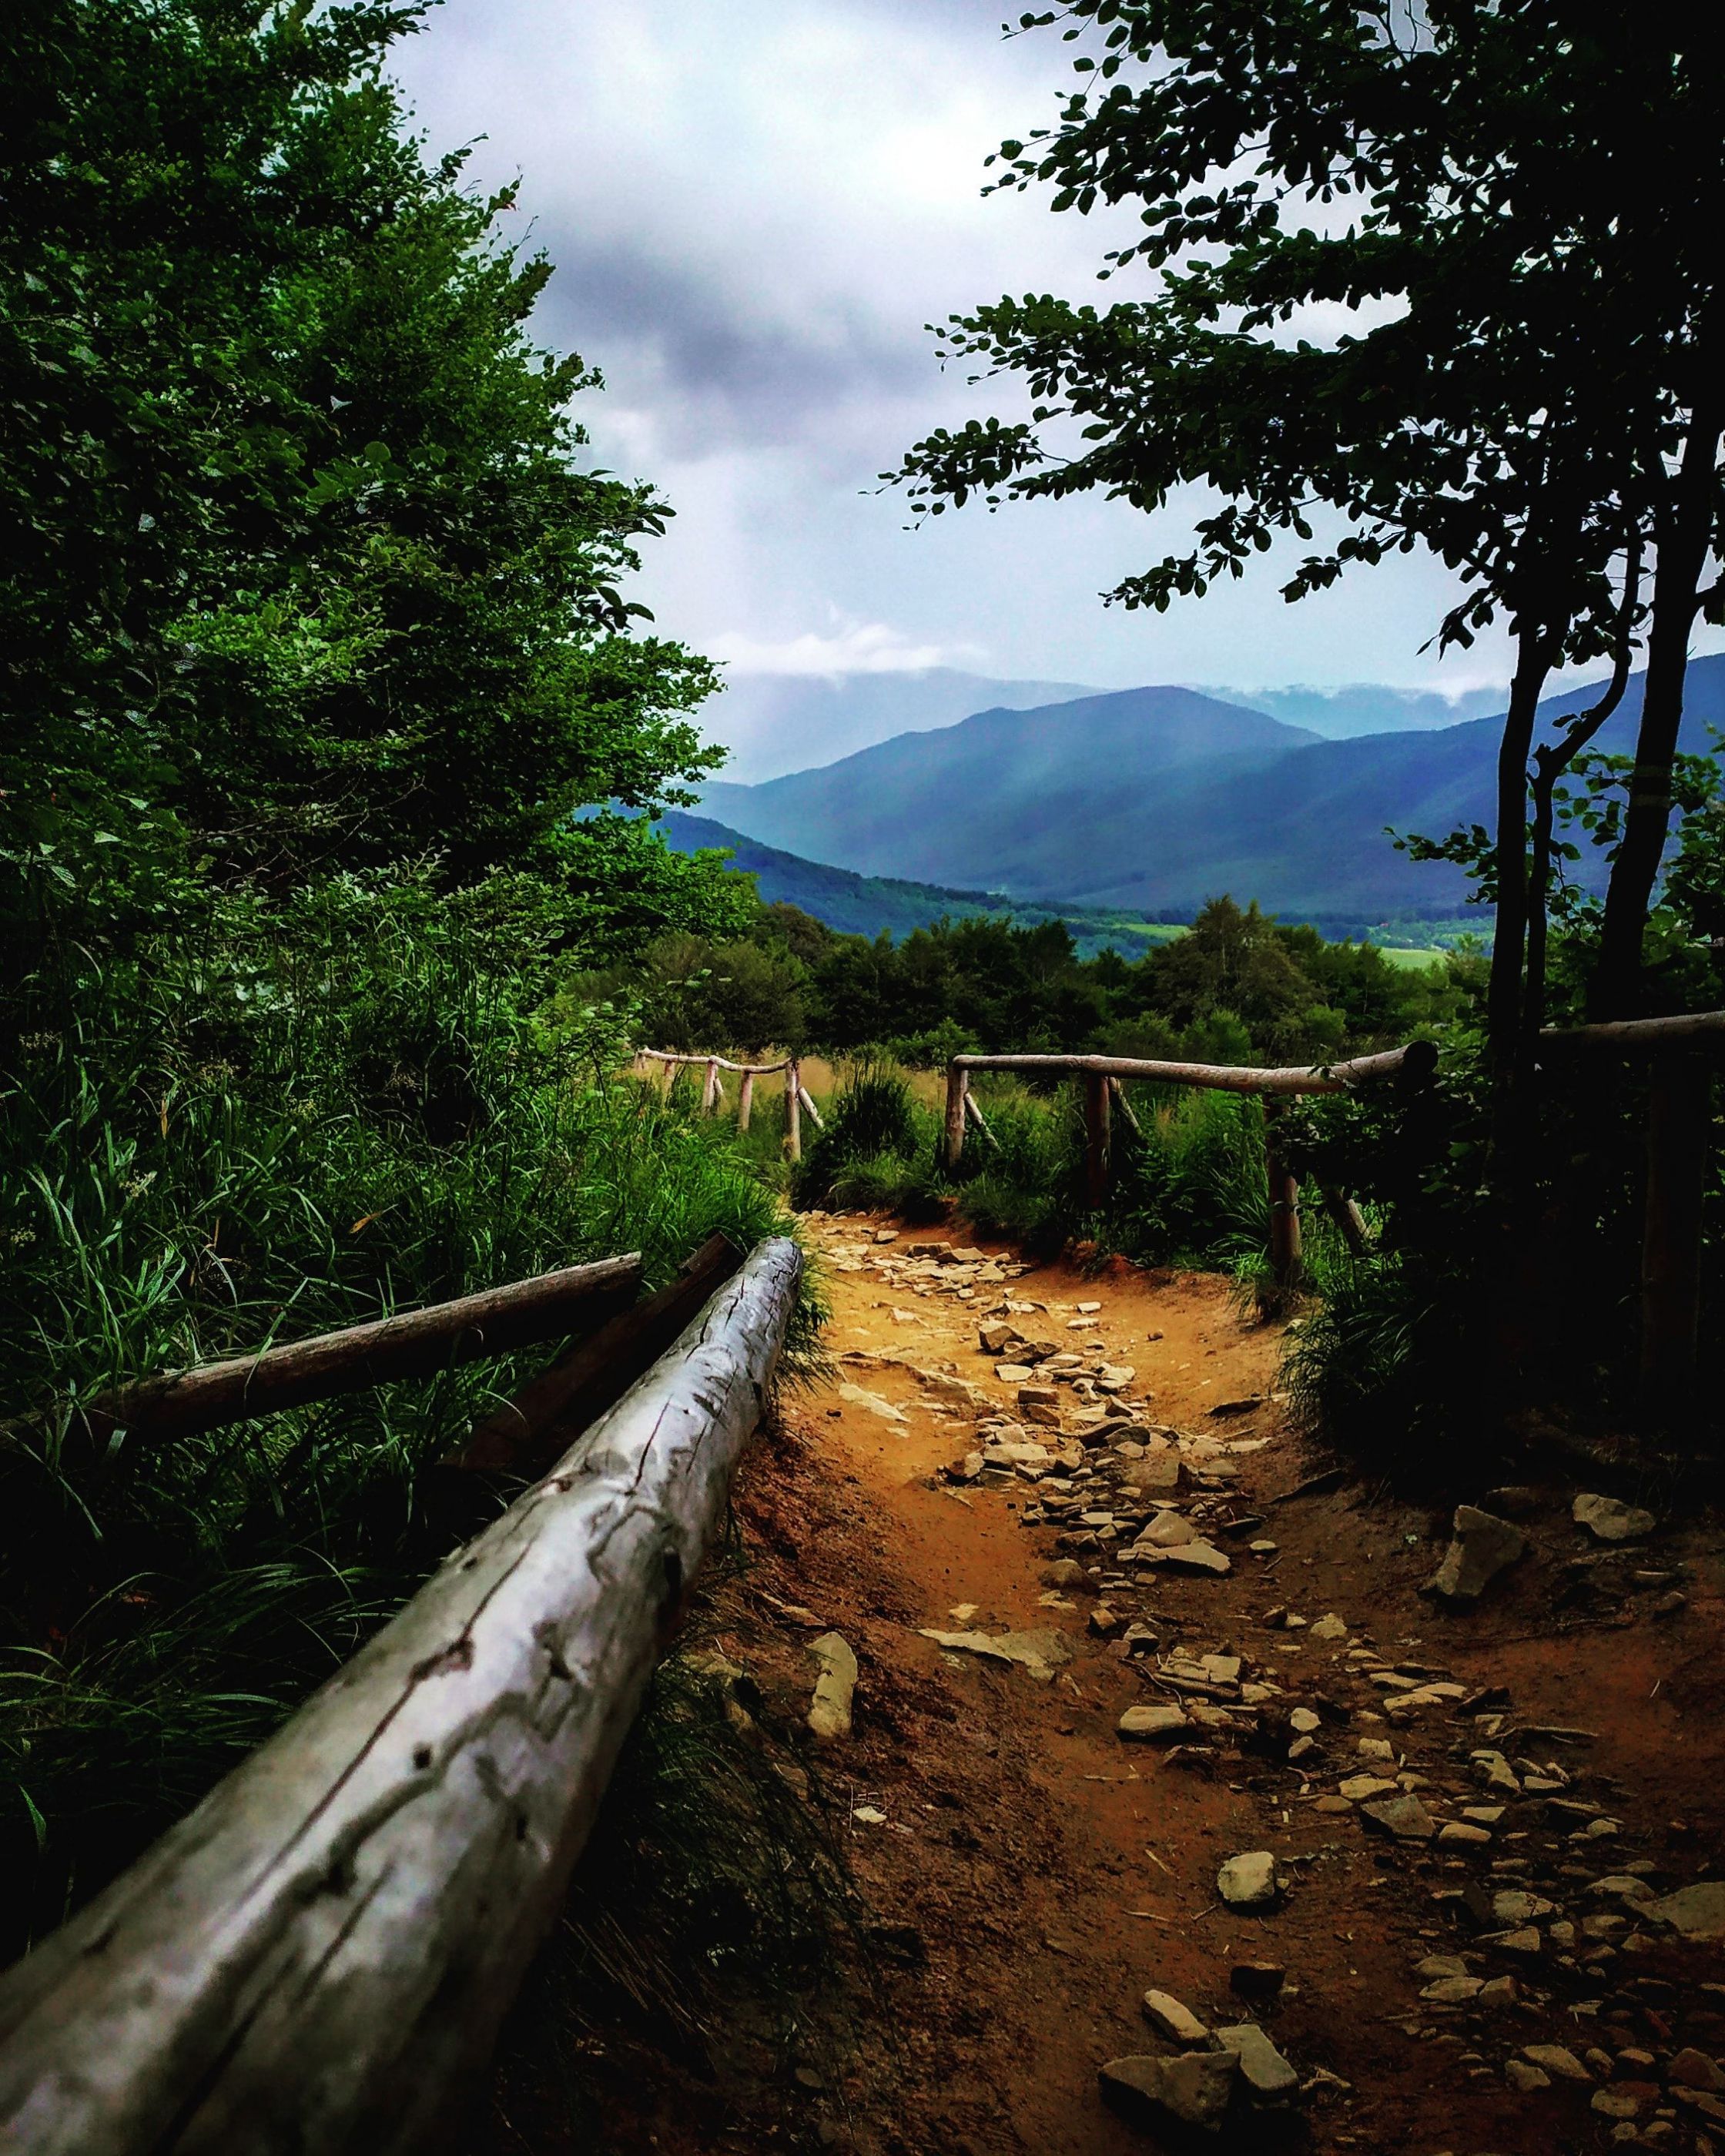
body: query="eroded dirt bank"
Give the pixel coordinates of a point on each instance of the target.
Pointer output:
(1477, 1963)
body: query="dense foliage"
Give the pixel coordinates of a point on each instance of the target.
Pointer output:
(313, 643)
(1238, 987)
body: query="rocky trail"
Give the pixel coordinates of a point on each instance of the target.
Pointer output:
(1182, 1809)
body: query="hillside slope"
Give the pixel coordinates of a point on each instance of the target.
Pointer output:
(977, 804)
(865, 905)
(1157, 799)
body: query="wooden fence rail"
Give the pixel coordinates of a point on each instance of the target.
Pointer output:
(1105, 1090)
(319, 1956)
(410, 1344)
(799, 1100)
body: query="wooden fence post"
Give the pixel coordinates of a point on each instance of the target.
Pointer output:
(1284, 1261)
(745, 1099)
(794, 1109)
(1348, 1218)
(1097, 1101)
(1118, 1093)
(710, 1090)
(1678, 1106)
(958, 1087)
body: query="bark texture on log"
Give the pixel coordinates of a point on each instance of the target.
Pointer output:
(525, 1433)
(318, 1958)
(1417, 1059)
(1649, 1036)
(957, 1091)
(408, 1345)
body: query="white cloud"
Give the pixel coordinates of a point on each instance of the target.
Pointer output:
(857, 648)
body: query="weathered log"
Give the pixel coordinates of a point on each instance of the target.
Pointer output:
(1348, 1218)
(1285, 1256)
(810, 1109)
(957, 1088)
(973, 1108)
(525, 1433)
(666, 1056)
(409, 1345)
(1680, 1112)
(1097, 1136)
(1415, 1061)
(318, 1958)
(1641, 1036)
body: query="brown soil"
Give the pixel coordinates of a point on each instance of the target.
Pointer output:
(1035, 1873)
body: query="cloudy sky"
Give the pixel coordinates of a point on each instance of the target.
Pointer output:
(754, 206)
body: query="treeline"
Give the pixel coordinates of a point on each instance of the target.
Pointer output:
(1238, 987)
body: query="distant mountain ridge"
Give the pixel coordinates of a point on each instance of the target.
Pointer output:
(1156, 800)
(772, 723)
(865, 905)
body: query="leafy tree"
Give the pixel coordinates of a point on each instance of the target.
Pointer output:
(306, 566)
(1522, 389)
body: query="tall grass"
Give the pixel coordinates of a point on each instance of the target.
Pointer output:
(261, 1132)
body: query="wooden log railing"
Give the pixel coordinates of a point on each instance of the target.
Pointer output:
(799, 1100)
(1105, 1091)
(319, 1956)
(410, 1344)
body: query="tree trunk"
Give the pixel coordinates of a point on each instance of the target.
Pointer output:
(1685, 543)
(1503, 1002)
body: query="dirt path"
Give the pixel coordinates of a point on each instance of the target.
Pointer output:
(1033, 1873)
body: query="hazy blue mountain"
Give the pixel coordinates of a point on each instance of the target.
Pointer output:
(1154, 800)
(1367, 707)
(999, 801)
(863, 906)
(777, 722)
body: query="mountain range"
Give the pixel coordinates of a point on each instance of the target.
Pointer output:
(1153, 799)
(776, 723)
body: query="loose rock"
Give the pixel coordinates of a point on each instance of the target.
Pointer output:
(1484, 1545)
(1194, 2089)
(1170, 2019)
(1152, 1725)
(1247, 1881)
(1262, 2067)
(829, 1711)
(1609, 1520)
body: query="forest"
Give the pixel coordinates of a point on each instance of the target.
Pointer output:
(332, 909)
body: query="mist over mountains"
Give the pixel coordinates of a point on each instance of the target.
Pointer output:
(1154, 799)
(777, 723)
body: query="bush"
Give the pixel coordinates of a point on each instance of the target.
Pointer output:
(255, 1134)
(874, 1118)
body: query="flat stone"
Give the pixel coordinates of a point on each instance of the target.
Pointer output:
(1693, 2069)
(1303, 1720)
(1152, 1725)
(1454, 1990)
(1247, 1881)
(1012, 1373)
(1525, 1941)
(1618, 2102)
(1192, 2089)
(829, 1710)
(1190, 1557)
(858, 1396)
(1609, 1520)
(1556, 2059)
(1458, 1834)
(1067, 1571)
(1404, 1817)
(1040, 1654)
(1501, 1991)
(1361, 1788)
(1330, 1627)
(1169, 1531)
(1262, 2067)
(1698, 1911)
(1523, 2077)
(1483, 1547)
(1514, 1906)
(1170, 2019)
